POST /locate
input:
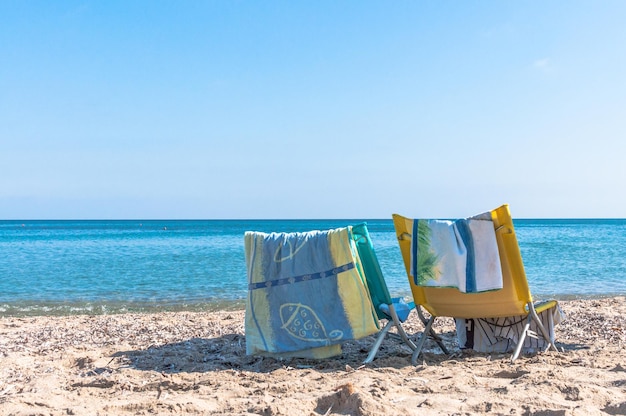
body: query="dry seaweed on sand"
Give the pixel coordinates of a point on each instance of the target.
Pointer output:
(195, 363)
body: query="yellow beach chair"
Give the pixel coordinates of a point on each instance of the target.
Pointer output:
(514, 299)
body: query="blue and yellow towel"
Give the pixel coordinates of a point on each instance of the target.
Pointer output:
(306, 294)
(462, 254)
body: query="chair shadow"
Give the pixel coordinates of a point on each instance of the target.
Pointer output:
(562, 346)
(228, 352)
(194, 355)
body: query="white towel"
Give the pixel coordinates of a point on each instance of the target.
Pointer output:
(462, 254)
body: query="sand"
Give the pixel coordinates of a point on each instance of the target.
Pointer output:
(195, 363)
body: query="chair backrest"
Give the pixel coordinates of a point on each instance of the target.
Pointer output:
(376, 284)
(511, 300)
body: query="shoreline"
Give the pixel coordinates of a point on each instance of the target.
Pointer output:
(195, 363)
(95, 308)
(34, 309)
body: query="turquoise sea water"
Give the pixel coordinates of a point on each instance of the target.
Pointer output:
(66, 267)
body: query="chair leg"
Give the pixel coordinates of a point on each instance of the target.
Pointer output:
(520, 342)
(542, 328)
(378, 342)
(401, 332)
(439, 341)
(432, 332)
(393, 321)
(533, 317)
(405, 337)
(422, 341)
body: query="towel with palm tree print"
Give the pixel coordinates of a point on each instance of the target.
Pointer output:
(461, 254)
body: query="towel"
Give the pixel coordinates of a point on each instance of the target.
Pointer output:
(462, 254)
(503, 334)
(306, 295)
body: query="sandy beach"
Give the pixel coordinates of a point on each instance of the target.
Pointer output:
(195, 363)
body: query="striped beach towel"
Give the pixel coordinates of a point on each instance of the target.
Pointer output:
(501, 335)
(306, 294)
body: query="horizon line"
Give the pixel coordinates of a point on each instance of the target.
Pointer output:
(288, 219)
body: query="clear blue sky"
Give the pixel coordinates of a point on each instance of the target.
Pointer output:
(318, 109)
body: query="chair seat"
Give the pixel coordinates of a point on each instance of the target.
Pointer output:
(403, 309)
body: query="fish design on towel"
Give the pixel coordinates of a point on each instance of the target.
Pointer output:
(301, 322)
(306, 293)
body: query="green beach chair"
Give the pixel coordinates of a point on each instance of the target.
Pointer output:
(393, 310)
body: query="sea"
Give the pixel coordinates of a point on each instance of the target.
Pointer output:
(105, 267)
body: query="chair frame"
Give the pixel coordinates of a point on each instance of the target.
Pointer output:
(392, 321)
(514, 299)
(379, 293)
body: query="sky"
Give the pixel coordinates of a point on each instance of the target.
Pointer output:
(311, 109)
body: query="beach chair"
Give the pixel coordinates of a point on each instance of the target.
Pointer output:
(394, 310)
(306, 294)
(514, 299)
